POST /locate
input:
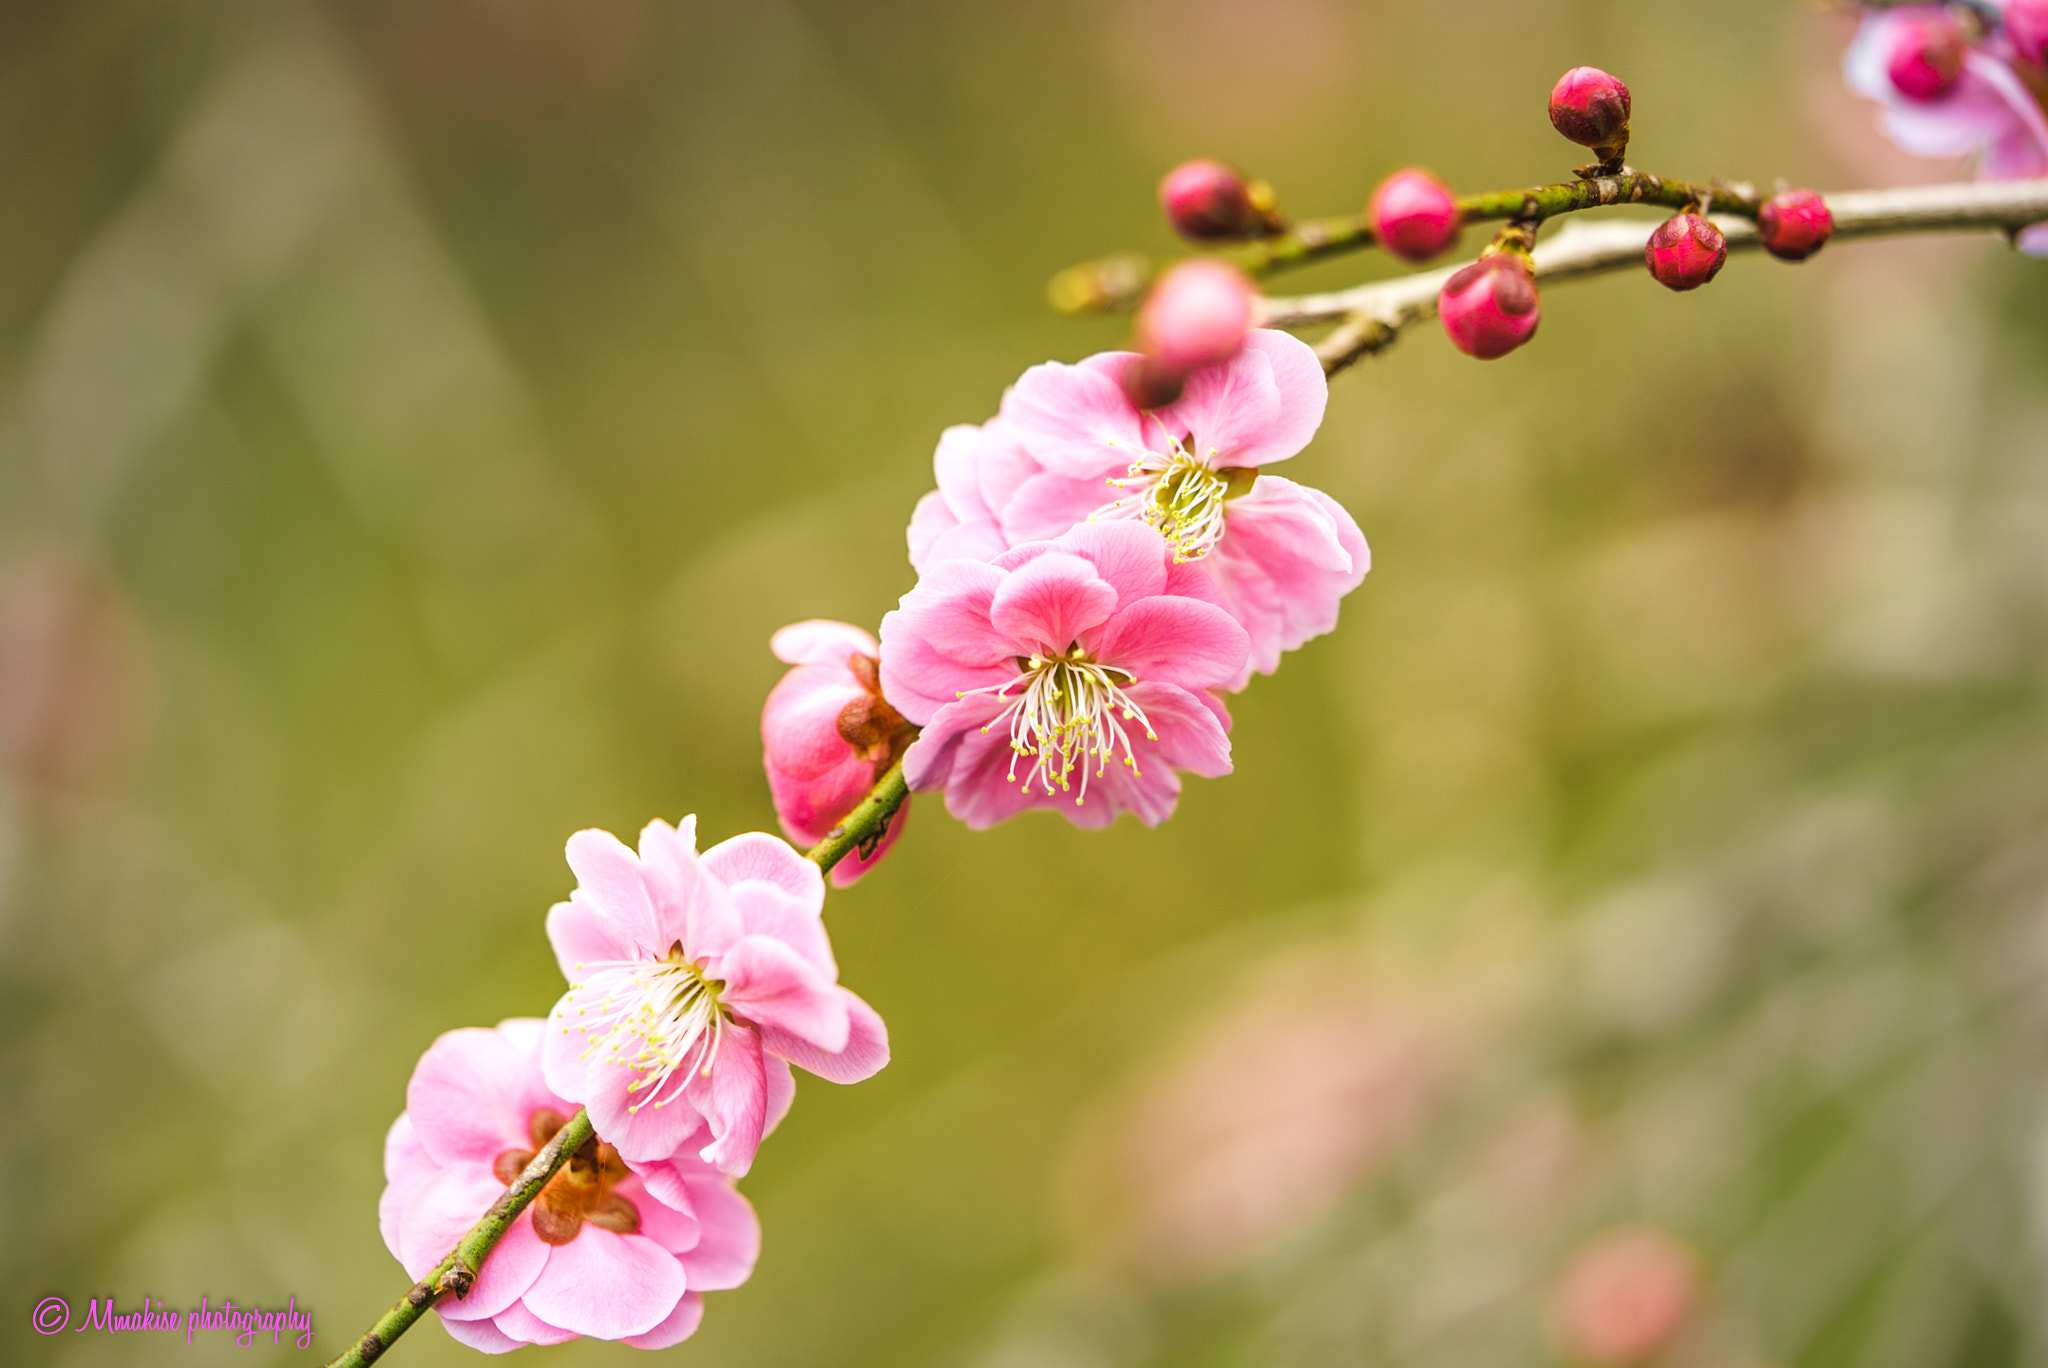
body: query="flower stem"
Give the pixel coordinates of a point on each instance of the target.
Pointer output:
(457, 1273)
(865, 824)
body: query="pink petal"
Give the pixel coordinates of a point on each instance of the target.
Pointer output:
(606, 1285)
(406, 1166)
(930, 761)
(1288, 557)
(820, 641)
(949, 607)
(1131, 556)
(862, 1057)
(850, 868)
(685, 901)
(610, 874)
(508, 1270)
(583, 933)
(1050, 505)
(733, 1101)
(1260, 407)
(917, 679)
(725, 1252)
(773, 986)
(521, 1324)
(1044, 606)
(483, 1336)
(800, 720)
(1190, 731)
(674, 1228)
(757, 856)
(676, 1327)
(781, 1088)
(767, 911)
(463, 1097)
(808, 808)
(1174, 641)
(1068, 416)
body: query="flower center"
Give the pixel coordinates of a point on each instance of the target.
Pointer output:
(661, 1018)
(1066, 713)
(581, 1189)
(1180, 494)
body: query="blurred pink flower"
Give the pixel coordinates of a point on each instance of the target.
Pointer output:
(1985, 108)
(1069, 447)
(604, 1251)
(1278, 1109)
(827, 736)
(74, 678)
(1041, 659)
(1625, 1297)
(694, 982)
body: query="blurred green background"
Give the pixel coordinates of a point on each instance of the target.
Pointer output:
(415, 416)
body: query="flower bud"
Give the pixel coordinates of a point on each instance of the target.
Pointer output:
(1197, 314)
(1794, 225)
(1625, 1297)
(1590, 107)
(1489, 308)
(2026, 24)
(1414, 215)
(1927, 58)
(1685, 252)
(1211, 201)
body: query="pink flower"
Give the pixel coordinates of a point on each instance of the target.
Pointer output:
(1068, 669)
(607, 1250)
(1069, 447)
(694, 983)
(1986, 109)
(828, 737)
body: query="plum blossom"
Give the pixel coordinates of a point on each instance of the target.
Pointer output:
(1076, 673)
(828, 736)
(609, 1250)
(695, 981)
(1069, 447)
(1965, 96)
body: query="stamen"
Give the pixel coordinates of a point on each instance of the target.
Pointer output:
(666, 1008)
(1179, 493)
(1067, 714)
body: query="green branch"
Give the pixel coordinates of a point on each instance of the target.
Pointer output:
(457, 1273)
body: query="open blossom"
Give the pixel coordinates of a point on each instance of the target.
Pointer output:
(1945, 96)
(694, 983)
(1069, 447)
(827, 736)
(605, 1250)
(1075, 673)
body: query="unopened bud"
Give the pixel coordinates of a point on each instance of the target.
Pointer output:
(2026, 24)
(1490, 307)
(1685, 252)
(1794, 225)
(1414, 215)
(1196, 315)
(1211, 201)
(1927, 58)
(1591, 108)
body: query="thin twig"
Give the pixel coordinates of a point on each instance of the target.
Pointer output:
(457, 1273)
(1372, 316)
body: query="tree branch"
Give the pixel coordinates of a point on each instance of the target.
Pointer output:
(457, 1273)
(1371, 316)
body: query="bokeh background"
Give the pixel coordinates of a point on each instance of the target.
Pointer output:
(415, 416)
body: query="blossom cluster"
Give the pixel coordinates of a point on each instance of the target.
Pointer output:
(696, 981)
(1097, 568)
(1956, 81)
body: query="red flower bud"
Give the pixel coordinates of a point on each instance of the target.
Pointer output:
(1590, 107)
(1197, 314)
(1794, 225)
(2026, 23)
(1490, 307)
(1685, 252)
(1414, 215)
(1927, 59)
(1208, 201)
